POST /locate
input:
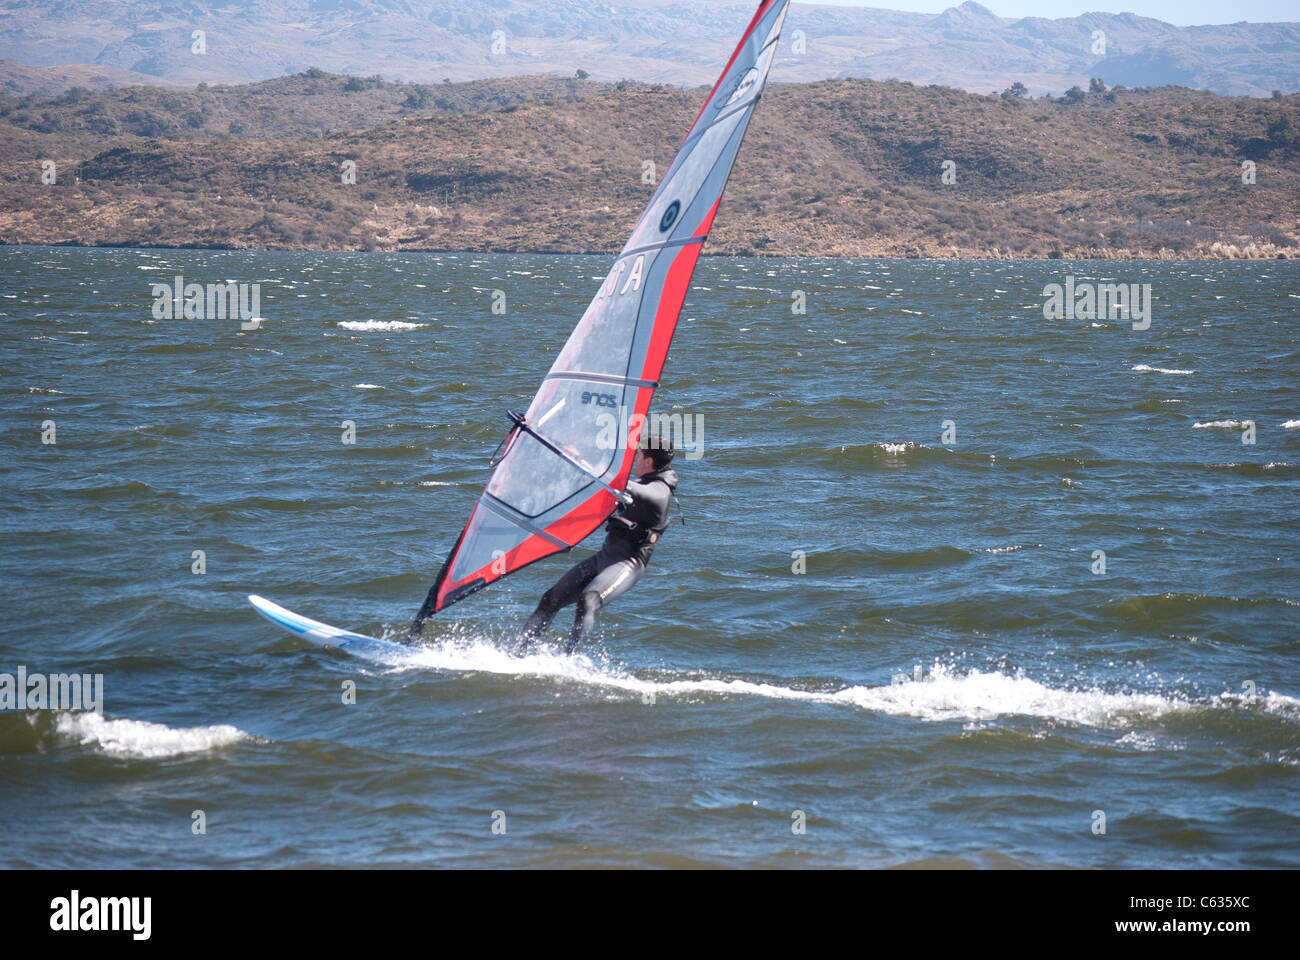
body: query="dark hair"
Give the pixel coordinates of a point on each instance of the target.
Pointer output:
(659, 449)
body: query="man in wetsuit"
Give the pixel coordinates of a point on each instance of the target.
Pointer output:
(631, 535)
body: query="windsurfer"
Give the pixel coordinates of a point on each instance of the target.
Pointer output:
(631, 535)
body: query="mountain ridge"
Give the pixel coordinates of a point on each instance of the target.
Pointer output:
(967, 46)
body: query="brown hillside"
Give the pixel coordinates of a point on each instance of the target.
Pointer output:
(840, 168)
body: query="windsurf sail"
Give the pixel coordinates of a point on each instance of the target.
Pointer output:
(568, 457)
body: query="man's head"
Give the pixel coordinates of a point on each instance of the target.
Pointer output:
(655, 453)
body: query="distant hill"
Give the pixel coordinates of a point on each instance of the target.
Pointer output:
(837, 168)
(308, 105)
(18, 78)
(670, 41)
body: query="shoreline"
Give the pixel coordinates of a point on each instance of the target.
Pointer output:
(1108, 256)
(962, 258)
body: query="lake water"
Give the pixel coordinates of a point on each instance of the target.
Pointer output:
(865, 646)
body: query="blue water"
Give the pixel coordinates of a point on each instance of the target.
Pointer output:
(946, 682)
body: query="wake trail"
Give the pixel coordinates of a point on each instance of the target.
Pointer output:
(946, 694)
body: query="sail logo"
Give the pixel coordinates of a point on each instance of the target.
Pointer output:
(1098, 301)
(685, 433)
(742, 87)
(633, 282)
(104, 914)
(670, 216)
(212, 301)
(54, 691)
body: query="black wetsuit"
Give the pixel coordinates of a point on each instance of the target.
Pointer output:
(631, 535)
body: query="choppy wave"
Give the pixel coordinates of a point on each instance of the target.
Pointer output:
(381, 326)
(1250, 469)
(1275, 703)
(1220, 425)
(139, 738)
(891, 452)
(1167, 605)
(1143, 368)
(911, 453)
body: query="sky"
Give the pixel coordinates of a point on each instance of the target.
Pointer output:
(1183, 13)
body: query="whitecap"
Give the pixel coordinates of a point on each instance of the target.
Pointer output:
(1143, 368)
(382, 326)
(139, 738)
